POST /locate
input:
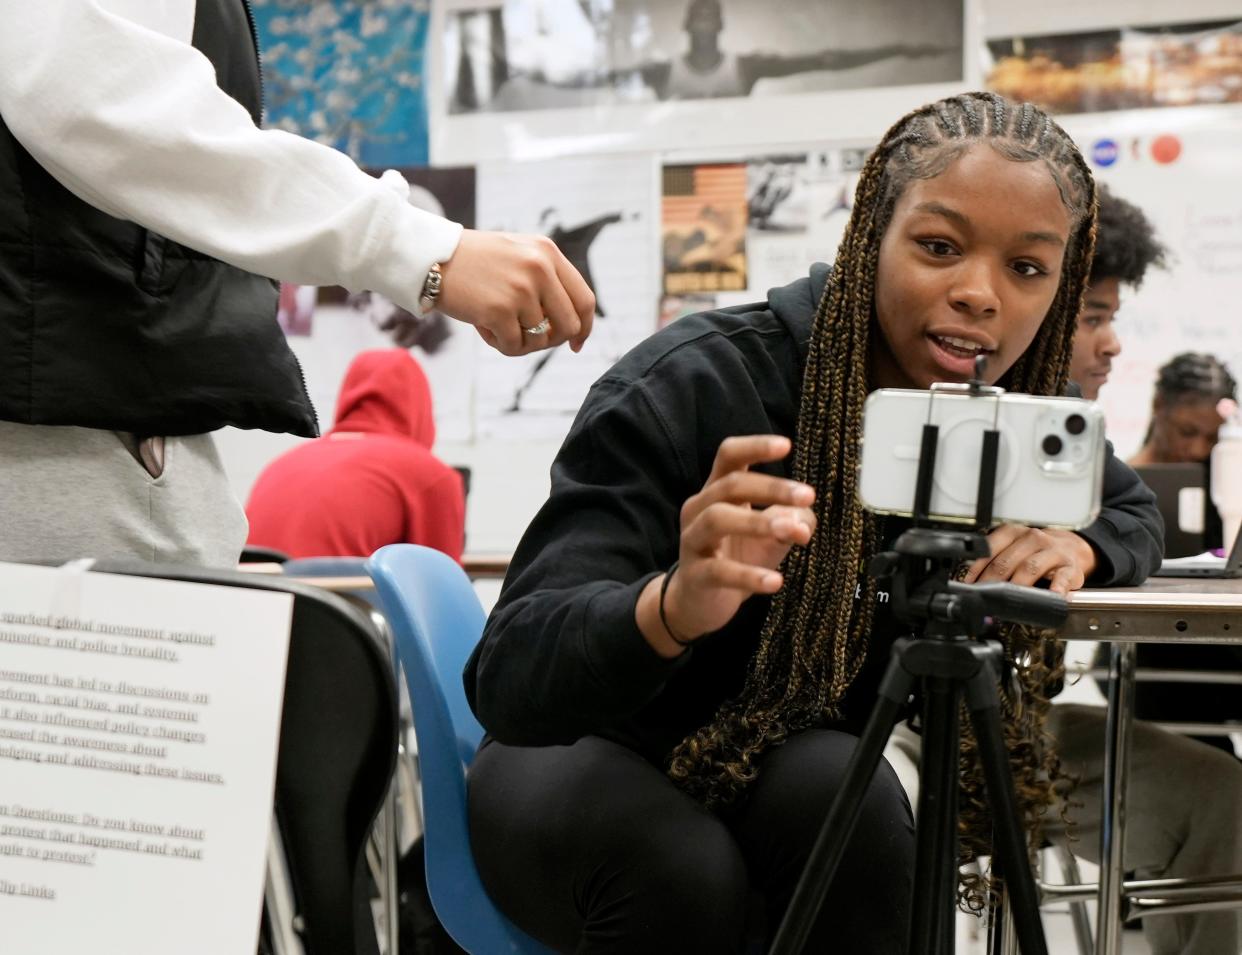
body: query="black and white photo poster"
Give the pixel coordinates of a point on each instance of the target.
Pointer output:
(601, 213)
(590, 75)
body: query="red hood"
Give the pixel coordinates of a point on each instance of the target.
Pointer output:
(386, 392)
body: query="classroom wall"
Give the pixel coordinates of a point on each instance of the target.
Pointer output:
(1193, 201)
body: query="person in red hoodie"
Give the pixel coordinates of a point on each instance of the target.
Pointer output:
(372, 480)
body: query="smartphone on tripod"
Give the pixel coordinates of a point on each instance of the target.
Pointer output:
(1050, 466)
(989, 457)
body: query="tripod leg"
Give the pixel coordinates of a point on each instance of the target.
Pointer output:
(935, 861)
(821, 864)
(1011, 847)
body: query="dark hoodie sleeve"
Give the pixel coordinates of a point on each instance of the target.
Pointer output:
(1128, 536)
(562, 654)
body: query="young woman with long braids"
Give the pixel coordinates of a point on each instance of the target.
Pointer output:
(685, 649)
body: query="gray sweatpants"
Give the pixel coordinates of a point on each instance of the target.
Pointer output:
(78, 492)
(1183, 812)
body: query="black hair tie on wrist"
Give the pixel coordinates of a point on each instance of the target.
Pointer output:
(668, 575)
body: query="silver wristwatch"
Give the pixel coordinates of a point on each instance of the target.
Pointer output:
(431, 288)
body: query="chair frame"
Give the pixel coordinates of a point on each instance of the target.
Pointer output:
(317, 921)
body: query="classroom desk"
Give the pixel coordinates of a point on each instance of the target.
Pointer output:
(477, 567)
(1163, 610)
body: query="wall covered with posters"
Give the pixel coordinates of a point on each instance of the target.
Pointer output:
(675, 188)
(1181, 168)
(348, 73)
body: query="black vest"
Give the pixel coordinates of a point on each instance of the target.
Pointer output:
(104, 324)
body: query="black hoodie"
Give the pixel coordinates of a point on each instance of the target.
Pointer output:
(562, 656)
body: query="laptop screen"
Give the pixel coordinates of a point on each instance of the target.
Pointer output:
(1182, 496)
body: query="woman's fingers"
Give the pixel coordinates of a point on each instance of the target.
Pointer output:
(731, 481)
(562, 315)
(718, 521)
(1025, 555)
(726, 574)
(754, 488)
(705, 534)
(1012, 559)
(1066, 578)
(998, 540)
(581, 298)
(741, 451)
(734, 534)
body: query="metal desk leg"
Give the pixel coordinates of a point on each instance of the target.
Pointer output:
(1002, 939)
(1070, 875)
(392, 900)
(1116, 776)
(282, 916)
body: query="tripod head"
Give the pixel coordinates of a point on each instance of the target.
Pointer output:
(918, 573)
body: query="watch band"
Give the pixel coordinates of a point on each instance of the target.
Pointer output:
(431, 288)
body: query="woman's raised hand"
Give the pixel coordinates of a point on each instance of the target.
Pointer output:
(734, 534)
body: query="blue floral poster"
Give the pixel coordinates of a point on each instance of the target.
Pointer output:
(348, 73)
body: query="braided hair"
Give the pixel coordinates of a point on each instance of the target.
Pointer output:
(816, 634)
(1191, 377)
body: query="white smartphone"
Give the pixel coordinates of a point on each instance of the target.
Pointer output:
(1050, 466)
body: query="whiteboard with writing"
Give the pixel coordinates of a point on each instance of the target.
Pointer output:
(1183, 168)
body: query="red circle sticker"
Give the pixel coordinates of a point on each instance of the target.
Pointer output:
(1166, 148)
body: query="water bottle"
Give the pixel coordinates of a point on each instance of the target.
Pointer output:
(1227, 472)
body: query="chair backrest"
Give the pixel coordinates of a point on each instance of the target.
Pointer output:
(252, 554)
(436, 619)
(338, 743)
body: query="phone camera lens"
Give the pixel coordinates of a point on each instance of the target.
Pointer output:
(1075, 424)
(1052, 445)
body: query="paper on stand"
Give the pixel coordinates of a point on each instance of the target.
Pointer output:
(139, 721)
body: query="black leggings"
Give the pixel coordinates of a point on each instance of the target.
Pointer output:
(590, 848)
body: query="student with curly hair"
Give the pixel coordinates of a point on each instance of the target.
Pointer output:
(1125, 248)
(685, 649)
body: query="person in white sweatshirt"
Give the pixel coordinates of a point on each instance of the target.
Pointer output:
(139, 201)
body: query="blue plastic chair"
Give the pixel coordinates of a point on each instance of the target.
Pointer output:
(437, 619)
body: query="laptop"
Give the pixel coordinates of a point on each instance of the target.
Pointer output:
(1205, 565)
(1184, 496)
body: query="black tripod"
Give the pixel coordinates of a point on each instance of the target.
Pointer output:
(951, 663)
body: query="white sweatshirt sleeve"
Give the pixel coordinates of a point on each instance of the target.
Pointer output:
(113, 101)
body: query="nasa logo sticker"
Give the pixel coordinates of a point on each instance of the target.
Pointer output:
(1104, 152)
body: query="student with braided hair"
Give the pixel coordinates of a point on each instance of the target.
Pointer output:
(1184, 420)
(685, 649)
(1183, 429)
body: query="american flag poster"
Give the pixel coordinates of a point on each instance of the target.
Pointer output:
(704, 217)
